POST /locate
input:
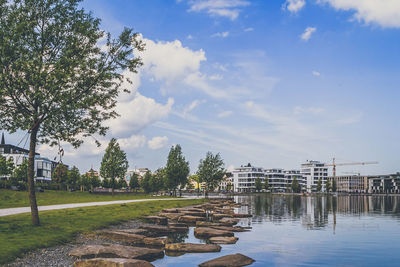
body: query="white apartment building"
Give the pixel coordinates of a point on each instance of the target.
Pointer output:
(312, 171)
(276, 180)
(291, 174)
(244, 177)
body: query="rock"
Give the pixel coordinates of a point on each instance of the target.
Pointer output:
(201, 223)
(230, 228)
(242, 215)
(153, 241)
(156, 219)
(195, 213)
(217, 216)
(175, 224)
(191, 210)
(171, 216)
(228, 221)
(123, 236)
(112, 262)
(172, 210)
(134, 231)
(190, 247)
(223, 240)
(232, 260)
(205, 232)
(190, 219)
(161, 229)
(117, 251)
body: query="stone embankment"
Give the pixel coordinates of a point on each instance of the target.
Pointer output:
(213, 222)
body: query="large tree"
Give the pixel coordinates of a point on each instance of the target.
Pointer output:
(58, 81)
(114, 163)
(177, 169)
(211, 171)
(134, 182)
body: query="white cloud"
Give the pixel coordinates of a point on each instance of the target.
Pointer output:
(170, 60)
(190, 37)
(316, 73)
(190, 107)
(138, 113)
(215, 77)
(385, 13)
(313, 110)
(133, 142)
(222, 8)
(307, 33)
(250, 29)
(294, 6)
(224, 114)
(200, 81)
(157, 142)
(221, 34)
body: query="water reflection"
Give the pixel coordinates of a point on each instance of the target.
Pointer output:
(315, 212)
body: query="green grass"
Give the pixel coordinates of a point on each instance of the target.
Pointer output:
(13, 199)
(18, 236)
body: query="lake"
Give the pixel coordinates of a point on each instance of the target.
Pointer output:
(311, 231)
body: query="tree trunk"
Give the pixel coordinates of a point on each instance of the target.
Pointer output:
(31, 175)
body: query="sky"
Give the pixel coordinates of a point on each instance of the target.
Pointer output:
(272, 83)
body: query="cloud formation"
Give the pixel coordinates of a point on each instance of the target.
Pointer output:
(219, 8)
(157, 142)
(221, 34)
(294, 6)
(306, 35)
(385, 13)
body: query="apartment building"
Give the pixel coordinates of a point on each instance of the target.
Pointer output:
(313, 171)
(350, 183)
(389, 183)
(244, 178)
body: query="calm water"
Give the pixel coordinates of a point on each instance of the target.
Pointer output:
(312, 231)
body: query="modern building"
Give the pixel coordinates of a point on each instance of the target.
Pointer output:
(290, 175)
(244, 177)
(277, 181)
(226, 183)
(313, 171)
(140, 172)
(384, 183)
(350, 183)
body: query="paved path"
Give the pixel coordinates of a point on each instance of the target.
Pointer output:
(13, 211)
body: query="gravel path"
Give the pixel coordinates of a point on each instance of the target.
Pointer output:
(13, 211)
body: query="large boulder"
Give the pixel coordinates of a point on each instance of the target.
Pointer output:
(230, 228)
(195, 213)
(171, 215)
(190, 219)
(228, 221)
(116, 251)
(206, 232)
(223, 240)
(112, 262)
(217, 216)
(171, 210)
(154, 241)
(156, 219)
(123, 237)
(232, 260)
(201, 223)
(190, 247)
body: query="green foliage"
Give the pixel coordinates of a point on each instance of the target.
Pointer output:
(145, 183)
(266, 185)
(73, 177)
(319, 185)
(84, 182)
(157, 180)
(177, 169)
(334, 186)
(134, 182)
(296, 188)
(328, 186)
(60, 174)
(61, 226)
(114, 163)
(93, 181)
(20, 173)
(258, 184)
(6, 166)
(211, 170)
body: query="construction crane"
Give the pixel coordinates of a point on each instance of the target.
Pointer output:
(334, 164)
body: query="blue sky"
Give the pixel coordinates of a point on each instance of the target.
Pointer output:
(273, 83)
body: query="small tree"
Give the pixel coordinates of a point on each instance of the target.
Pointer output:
(258, 184)
(177, 169)
(145, 183)
(295, 186)
(73, 178)
(157, 180)
(328, 186)
(84, 182)
(211, 171)
(134, 182)
(198, 181)
(6, 166)
(114, 163)
(334, 186)
(60, 174)
(56, 81)
(20, 173)
(266, 185)
(93, 181)
(319, 185)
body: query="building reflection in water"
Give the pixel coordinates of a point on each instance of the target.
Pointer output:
(314, 212)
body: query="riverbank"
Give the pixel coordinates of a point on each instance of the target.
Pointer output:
(62, 226)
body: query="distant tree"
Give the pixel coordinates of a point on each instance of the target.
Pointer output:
(134, 182)
(145, 183)
(84, 182)
(177, 169)
(295, 186)
(157, 180)
(93, 181)
(122, 183)
(258, 184)
(319, 185)
(328, 186)
(334, 186)
(266, 184)
(114, 163)
(6, 166)
(20, 173)
(56, 81)
(106, 183)
(60, 174)
(73, 178)
(198, 181)
(211, 171)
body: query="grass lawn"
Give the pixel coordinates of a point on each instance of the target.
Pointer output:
(18, 236)
(13, 199)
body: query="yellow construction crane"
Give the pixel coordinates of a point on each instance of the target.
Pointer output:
(334, 164)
